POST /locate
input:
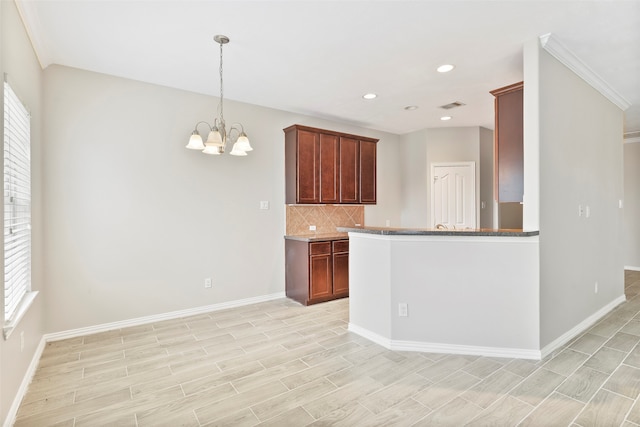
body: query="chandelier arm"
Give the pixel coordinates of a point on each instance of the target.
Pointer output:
(199, 123)
(238, 130)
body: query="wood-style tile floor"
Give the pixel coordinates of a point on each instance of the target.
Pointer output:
(281, 364)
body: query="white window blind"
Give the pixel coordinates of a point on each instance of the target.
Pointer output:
(17, 202)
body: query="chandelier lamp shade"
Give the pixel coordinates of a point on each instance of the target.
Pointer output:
(218, 136)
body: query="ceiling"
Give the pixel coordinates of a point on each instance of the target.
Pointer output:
(320, 57)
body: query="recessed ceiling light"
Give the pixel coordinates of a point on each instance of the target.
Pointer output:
(369, 96)
(445, 68)
(411, 107)
(445, 118)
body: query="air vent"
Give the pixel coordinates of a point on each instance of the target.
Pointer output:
(452, 105)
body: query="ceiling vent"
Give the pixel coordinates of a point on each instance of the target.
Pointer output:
(452, 105)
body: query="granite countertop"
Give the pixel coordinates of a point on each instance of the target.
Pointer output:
(386, 231)
(317, 237)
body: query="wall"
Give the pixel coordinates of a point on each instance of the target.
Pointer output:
(580, 155)
(471, 310)
(18, 60)
(414, 203)
(387, 209)
(632, 205)
(135, 222)
(420, 149)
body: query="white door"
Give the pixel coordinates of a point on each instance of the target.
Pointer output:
(453, 195)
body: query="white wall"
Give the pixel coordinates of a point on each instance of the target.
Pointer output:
(388, 182)
(414, 178)
(531, 136)
(422, 148)
(489, 307)
(18, 60)
(135, 222)
(632, 205)
(580, 154)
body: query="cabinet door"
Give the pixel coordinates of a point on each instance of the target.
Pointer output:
(308, 167)
(329, 166)
(508, 137)
(320, 277)
(368, 172)
(349, 176)
(341, 268)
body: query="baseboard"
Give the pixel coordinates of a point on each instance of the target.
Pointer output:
(427, 347)
(581, 327)
(56, 336)
(28, 376)
(371, 336)
(630, 267)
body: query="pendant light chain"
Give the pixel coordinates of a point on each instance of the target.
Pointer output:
(221, 86)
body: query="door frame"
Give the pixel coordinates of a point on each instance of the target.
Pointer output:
(432, 206)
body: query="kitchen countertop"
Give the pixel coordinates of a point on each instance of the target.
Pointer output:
(317, 237)
(387, 231)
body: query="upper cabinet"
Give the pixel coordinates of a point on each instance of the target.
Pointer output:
(509, 160)
(367, 172)
(323, 166)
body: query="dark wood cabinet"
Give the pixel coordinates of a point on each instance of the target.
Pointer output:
(329, 168)
(320, 271)
(307, 167)
(340, 258)
(349, 176)
(508, 140)
(317, 271)
(323, 166)
(368, 172)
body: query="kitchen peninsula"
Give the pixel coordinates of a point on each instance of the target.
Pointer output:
(453, 291)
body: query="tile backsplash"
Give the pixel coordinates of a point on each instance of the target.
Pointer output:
(326, 218)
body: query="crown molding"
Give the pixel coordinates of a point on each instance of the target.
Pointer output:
(630, 137)
(551, 44)
(29, 14)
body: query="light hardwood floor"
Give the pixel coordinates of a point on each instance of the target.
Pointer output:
(281, 364)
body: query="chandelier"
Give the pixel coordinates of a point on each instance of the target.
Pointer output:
(217, 139)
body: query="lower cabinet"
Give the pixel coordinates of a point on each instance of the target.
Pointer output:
(317, 271)
(340, 260)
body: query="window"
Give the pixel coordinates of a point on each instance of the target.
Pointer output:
(17, 207)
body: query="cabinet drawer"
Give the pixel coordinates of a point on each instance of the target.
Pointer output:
(341, 246)
(320, 248)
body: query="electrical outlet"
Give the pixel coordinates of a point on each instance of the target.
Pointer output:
(403, 309)
(580, 210)
(387, 223)
(21, 341)
(264, 205)
(312, 228)
(208, 282)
